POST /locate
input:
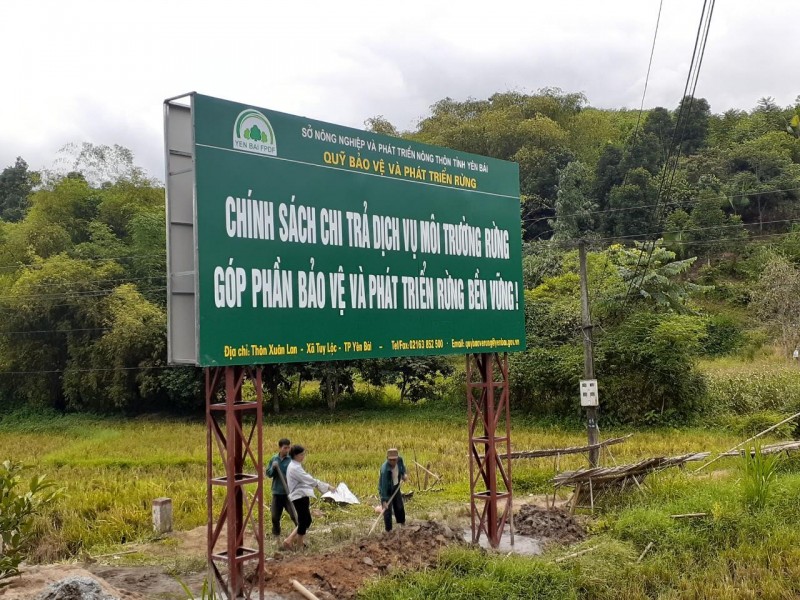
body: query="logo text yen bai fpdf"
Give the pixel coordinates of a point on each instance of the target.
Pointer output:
(252, 132)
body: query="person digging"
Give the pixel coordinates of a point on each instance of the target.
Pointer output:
(280, 495)
(393, 474)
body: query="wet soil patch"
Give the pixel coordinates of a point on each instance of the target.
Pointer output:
(550, 525)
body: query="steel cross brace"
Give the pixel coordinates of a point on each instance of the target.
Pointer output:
(234, 428)
(488, 410)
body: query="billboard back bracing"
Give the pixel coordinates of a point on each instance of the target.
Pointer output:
(290, 239)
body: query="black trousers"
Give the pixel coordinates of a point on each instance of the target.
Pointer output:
(280, 502)
(303, 508)
(397, 507)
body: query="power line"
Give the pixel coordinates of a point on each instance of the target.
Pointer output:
(647, 77)
(573, 241)
(122, 280)
(54, 331)
(91, 294)
(677, 132)
(662, 232)
(78, 259)
(632, 139)
(683, 113)
(676, 203)
(75, 294)
(99, 369)
(727, 239)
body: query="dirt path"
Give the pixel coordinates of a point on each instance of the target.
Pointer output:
(339, 573)
(147, 582)
(336, 573)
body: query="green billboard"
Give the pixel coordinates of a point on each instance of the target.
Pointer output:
(316, 242)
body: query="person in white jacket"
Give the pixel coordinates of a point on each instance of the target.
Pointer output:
(301, 490)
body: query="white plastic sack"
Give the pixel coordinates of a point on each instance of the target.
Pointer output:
(341, 494)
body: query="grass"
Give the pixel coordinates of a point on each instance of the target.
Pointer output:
(767, 383)
(112, 469)
(760, 471)
(746, 397)
(733, 552)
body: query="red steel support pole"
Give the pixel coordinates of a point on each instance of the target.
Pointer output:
(487, 401)
(490, 448)
(210, 475)
(233, 467)
(259, 498)
(239, 451)
(472, 462)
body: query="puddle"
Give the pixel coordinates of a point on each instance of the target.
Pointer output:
(523, 545)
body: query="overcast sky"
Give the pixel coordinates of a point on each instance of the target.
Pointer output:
(80, 70)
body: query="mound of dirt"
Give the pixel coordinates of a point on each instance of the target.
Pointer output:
(75, 588)
(41, 581)
(550, 525)
(338, 574)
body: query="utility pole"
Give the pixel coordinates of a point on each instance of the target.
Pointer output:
(588, 355)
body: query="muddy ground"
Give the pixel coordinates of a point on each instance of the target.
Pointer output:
(553, 525)
(339, 573)
(335, 573)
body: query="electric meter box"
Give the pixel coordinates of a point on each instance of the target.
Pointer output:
(588, 390)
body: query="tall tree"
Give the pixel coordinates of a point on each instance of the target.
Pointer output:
(380, 124)
(608, 172)
(643, 151)
(574, 207)
(98, 164)
(776, 300)
(709, 230)
(631, 207)
(659, 123)
(16, 184)
(692, 118)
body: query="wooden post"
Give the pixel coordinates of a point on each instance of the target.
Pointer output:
(588, 355)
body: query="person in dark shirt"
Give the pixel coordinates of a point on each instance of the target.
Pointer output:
(280, 495)
(393, 473)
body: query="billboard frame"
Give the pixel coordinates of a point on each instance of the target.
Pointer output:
(196, 333)
(181, 229)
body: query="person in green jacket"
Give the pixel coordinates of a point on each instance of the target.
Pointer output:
(280, 495)
(393, 473)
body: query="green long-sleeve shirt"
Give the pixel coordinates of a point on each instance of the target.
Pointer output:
(385, 487)
(277, 486)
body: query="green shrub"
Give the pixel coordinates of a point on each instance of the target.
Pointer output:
(723, 335)
(17, 510)
(649, 373)
(544, 381)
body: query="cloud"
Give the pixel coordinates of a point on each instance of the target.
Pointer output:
(108, 67)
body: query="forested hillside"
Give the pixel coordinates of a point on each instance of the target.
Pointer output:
(689, 215)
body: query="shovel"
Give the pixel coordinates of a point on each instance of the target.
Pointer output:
(388, 504)
(286, 487)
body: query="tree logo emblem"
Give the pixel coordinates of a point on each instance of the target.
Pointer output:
(252, 132)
